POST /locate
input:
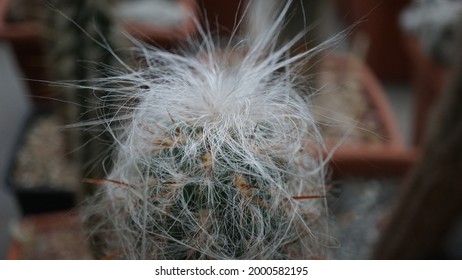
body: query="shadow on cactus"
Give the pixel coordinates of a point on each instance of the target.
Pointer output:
(217, 156)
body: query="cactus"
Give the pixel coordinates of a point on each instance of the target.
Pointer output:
(434, 23)
(75, 29)
(217, 156)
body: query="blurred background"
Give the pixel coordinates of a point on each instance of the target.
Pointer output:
(377, 89)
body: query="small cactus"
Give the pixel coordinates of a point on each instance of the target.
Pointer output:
(217, 157)
(74, 29)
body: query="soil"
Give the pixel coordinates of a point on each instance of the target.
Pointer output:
(343, 109)
(44, 160)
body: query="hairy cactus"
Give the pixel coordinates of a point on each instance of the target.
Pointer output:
(217, 157)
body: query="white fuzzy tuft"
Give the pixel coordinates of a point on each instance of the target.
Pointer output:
(217, 156)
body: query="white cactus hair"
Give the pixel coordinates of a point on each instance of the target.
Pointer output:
(217, 155)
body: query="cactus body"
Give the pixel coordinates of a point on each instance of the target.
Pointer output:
(74, 29)
(218, 157)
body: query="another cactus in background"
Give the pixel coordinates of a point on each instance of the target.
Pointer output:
(434, 23)
(78, 32)
(218, 157)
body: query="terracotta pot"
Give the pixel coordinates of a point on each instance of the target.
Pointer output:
(389, 157)
(379, 21)
(428, 80)
(50, 236)
(167, 36)
(13, 251)
(17, 30)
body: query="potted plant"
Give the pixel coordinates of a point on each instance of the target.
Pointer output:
(357, 121)
(212, 159)
(25, 31)
(430, 28)
(40, 172)
(53, 236)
